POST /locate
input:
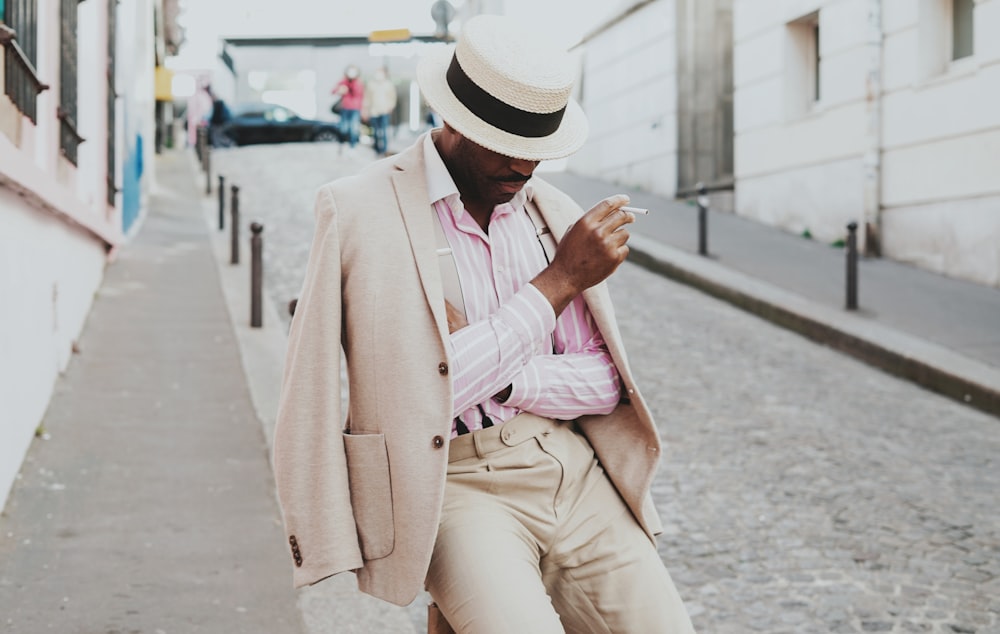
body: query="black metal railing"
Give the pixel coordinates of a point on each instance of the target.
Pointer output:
(21, 82)
(69, 138)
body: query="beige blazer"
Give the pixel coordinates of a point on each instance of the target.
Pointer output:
(366, 495)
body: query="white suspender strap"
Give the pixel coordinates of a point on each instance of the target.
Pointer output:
(449, 269)
(542, 232)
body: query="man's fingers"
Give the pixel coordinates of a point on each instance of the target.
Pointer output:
(617, 220)
(608, 206)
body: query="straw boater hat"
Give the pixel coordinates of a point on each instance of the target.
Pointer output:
(506, 91)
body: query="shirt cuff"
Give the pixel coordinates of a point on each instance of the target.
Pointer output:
(529, 315)
(524, 389)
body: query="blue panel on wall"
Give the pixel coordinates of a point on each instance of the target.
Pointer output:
(131, 178)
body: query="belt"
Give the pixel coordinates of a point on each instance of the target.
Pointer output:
(515, 431)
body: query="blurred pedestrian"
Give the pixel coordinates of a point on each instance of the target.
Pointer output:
(433, 119)
(496, 449)
(217, 120)
(199, 109)
(352, 94)
(380, 102)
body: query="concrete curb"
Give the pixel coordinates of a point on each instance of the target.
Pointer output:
(928, 365)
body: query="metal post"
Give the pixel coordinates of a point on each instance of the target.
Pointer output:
(222, 202)
(234, 210)
(292, 305)
(256, 275)
(852, 266)
(702, 219)
(199, 146)
(208, 165)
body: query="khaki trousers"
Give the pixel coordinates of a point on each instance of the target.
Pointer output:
(535, 538)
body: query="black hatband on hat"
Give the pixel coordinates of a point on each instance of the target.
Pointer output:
(497, 113)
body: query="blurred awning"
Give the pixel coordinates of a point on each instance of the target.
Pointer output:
(164, 80)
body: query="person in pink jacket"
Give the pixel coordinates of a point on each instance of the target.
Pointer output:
(352, 95)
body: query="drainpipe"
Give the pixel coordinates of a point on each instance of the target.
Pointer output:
(872, 159)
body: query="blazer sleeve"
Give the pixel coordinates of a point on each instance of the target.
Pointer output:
(310, 464)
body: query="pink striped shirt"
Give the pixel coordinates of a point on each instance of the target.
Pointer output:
(556, 367)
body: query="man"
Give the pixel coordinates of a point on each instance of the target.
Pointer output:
(485, 371)
(380, 102)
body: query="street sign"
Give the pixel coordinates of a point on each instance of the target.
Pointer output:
(389, 35)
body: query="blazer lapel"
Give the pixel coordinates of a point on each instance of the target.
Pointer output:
(410, 183)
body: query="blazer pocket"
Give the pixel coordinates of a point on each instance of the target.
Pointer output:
(371, 493)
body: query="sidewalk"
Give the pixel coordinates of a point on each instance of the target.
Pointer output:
(941, 333)
(151, 506)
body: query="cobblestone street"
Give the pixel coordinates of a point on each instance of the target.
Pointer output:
(801, 491)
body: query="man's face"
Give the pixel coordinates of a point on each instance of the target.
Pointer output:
(484, 175)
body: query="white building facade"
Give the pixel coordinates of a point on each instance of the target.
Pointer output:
(881, 112)
(656, 83)
(628, 88)
(62, 152)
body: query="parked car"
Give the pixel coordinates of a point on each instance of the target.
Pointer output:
(269, 123)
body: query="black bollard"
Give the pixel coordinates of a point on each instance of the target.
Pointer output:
(234, 222)
(702, 219)
(208, 166)
(292, 305)
(852, 266)
(222, 202)
(256, 275)
(199, 146)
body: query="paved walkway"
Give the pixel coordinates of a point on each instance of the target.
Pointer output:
(151, 507)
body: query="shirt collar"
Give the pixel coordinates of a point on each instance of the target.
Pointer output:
(440, 184)
(439, 181)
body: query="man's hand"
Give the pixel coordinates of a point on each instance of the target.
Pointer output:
(456, 318)
(590, 251)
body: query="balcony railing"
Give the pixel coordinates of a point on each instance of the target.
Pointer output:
(69, 138)
(21, 80)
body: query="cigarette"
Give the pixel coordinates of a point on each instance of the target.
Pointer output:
(636, 210)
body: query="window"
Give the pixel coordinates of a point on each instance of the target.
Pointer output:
(944, 35)
(803, 65)
(22, 15)
(961, 28)
(69, 138)
(815, 60)
(21, 82)
(112, 100)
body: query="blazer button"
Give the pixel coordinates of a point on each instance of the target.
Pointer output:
(442, 368)
(438, 442)
(296, 554)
